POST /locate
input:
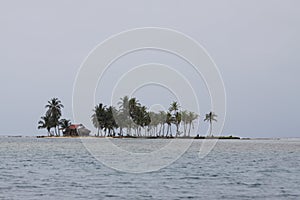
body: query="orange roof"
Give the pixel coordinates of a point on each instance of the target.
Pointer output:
(74, 126)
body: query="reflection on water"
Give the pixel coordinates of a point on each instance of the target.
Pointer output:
(63, 169)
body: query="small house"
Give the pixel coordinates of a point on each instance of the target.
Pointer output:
(76, 130)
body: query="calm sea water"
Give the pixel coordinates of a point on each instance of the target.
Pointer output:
(32, 168)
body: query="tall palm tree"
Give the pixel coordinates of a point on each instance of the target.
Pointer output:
(191, 118)
(184, 118)
(109, 123)
(95, 122)
(177, 121)
(123, 117)
(210, 117)
(155, 121)
(54, 107)
(121, 120)
(174, 108)
(133, 106)
(124, 104)
(141, 118)
(98, 117)
(145, 118)
(169, 122)
(162, 121)
(46, 122)
(134, 112)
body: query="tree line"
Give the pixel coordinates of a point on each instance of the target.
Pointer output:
(130, 118)
(133, 119)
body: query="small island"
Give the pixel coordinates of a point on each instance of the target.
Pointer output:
(130, 120)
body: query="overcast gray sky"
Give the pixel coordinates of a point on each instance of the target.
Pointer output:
(255, 44)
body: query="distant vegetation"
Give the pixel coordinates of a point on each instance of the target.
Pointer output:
(132, 119)
(52, 118)
(210, 117)
(129, 119)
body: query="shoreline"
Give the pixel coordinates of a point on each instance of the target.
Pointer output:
(125, 137)
(133, 137)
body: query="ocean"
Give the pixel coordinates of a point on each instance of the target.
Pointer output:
(40, 168)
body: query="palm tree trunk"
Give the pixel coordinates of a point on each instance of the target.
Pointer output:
(160, 128)
(210, 128)
(167, 131)
(120, 133)
(55, 131)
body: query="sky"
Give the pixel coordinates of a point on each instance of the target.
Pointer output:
(254, 43)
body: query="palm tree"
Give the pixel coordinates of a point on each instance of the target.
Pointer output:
(177, 121)
(109, 122)
(123, 117)
(155, 121)
(64, 124)
(96, 123)
(210, 117)
(191, 118)
(162, 121)
(54, 107)
(133, 106)
(169, 122)
(141, 118)
(124, 104)
(121, 120)
(98, 117)
(184, 118)
(144, 118)
(134, 112)
(46, 122)
(174, 107)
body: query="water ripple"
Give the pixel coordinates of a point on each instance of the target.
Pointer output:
(63, 169)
